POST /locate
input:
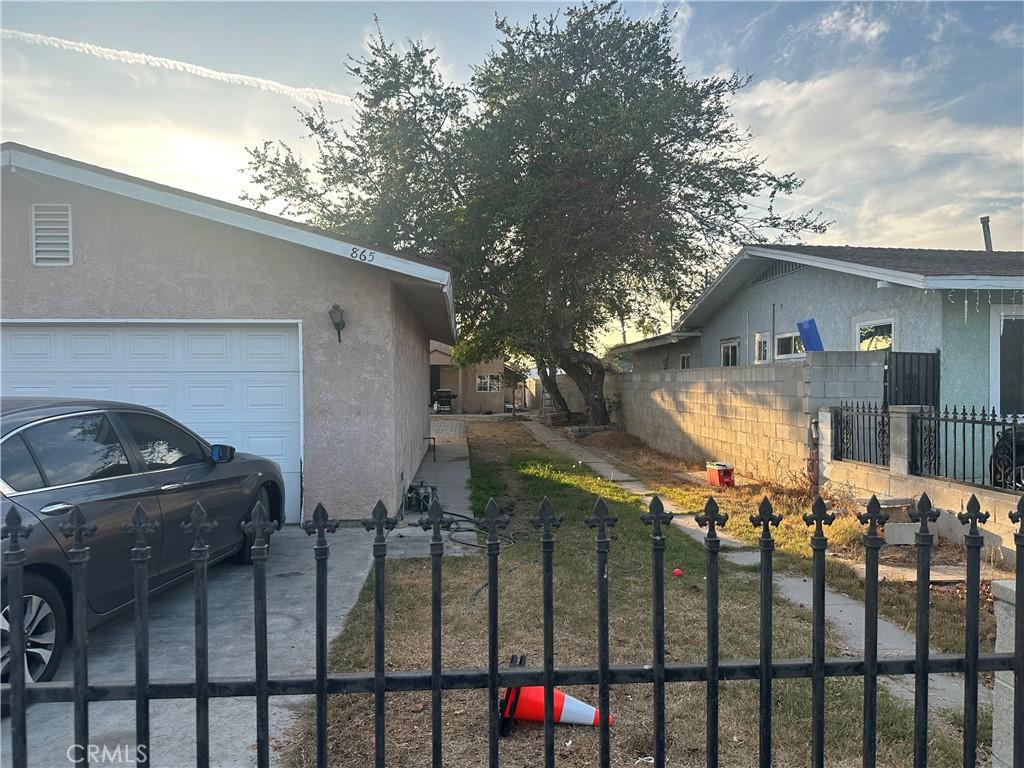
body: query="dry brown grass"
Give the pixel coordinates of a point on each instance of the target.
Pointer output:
(510, 464)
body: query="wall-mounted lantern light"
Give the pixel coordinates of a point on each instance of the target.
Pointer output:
(338, 318)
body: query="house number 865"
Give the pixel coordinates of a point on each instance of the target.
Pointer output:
(362, 254)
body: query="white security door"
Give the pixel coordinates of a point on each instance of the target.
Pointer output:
(231, 383)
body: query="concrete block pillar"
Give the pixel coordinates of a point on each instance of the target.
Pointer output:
(900, 438)
(824, 445)
(1002, 694)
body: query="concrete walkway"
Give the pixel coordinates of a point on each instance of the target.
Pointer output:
(845, 614)
(449, 473)
(290, 586)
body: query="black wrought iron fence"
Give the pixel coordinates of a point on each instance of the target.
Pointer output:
(659, 674)
(860, 432)
(979, 447)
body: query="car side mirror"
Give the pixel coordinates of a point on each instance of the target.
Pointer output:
(222, 454)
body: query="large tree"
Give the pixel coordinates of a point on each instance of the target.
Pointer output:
(575, 182)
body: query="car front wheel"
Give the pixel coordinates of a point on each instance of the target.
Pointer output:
(46, 630)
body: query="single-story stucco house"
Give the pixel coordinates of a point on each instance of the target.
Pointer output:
(490, 386)
(965, 307)
(119, 288)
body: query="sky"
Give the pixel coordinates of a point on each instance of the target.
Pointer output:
(906, 120)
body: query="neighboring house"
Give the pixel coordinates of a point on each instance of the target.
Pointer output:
(119, 288)
(968, 306)
(480, 388)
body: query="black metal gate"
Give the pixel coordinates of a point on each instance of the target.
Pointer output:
(659, 673)
(912, 378)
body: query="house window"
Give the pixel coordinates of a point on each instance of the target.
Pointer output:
(51, 235)
(730, 353)
(788, 345)
(761, 349)
(488, 382)
(1006, 360)
(684, 361)
(875, 335)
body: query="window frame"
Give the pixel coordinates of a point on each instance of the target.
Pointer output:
(32, 237)
(489, 378)
(792, 355)
(765, 339)
(126, 446)
(722, 347)
(858, 324)
(32, 457)
(128, 439)
(688, 357)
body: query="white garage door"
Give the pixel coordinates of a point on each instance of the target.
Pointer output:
(232, 383)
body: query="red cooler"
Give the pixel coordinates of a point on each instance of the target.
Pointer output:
(720, 474)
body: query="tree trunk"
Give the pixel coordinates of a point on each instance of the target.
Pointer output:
(549, 378)
(587, 372)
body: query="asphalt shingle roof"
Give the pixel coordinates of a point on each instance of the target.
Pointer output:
(932, 262)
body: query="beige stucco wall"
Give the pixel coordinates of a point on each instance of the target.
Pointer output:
(754, 417)
(412, 378)
(135, 260)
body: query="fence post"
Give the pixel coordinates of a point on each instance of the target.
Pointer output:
(495, 522)
(547, 521)
(656, 517)
(76, 528)
(379, 522)
(710, 518)
(818, 517)
(973, 541)
(14, 564)
(873, 517)
(764, 519)
(922, 514)
(198, 526)
(320, 524)
(1017, 517)
(435, 520)
(140, 526)
(602, 520)
(901, 437)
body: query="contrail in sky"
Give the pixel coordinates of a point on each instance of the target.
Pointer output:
(308, 95)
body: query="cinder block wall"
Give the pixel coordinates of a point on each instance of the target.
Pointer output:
(754, 417)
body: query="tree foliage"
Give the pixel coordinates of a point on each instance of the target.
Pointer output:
(577, 179)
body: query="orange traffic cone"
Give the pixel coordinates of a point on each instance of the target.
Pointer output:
(527, 703)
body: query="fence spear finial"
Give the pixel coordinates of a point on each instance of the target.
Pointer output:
(765, 517)
(320, 524)
(140, 525)
(973, 515)
(198, 525)
(873, 516)
(435, 517)
(546, 519)
(14, 530)
(77, 527)
(656, 516)
(601, 518)
(923, 513)
(379, 521)
(819, 516)
(711, 517)
(494, 519)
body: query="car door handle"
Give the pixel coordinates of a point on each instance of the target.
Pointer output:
(58, 508)
(171, 486)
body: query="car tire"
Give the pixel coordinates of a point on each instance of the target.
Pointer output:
(49, 635)
(245, 552)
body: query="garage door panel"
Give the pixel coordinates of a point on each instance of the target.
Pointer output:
(233, 384)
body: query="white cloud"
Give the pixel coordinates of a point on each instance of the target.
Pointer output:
(889, 169)
(1012, 35)
(305, 95)
(852, 23)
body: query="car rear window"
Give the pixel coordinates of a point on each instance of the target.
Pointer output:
(162, 444)
(77, 449)
(17, 467)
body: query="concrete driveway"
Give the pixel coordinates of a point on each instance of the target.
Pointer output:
(290, 586)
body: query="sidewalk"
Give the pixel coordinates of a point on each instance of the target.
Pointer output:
(845, 614)
(448, 471)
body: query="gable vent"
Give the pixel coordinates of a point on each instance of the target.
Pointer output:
(51, 235)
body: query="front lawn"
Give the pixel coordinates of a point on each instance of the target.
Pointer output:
(508, 462)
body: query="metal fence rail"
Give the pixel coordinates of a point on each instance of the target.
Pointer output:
(861, 433)
(977, 447)
(658, 674)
